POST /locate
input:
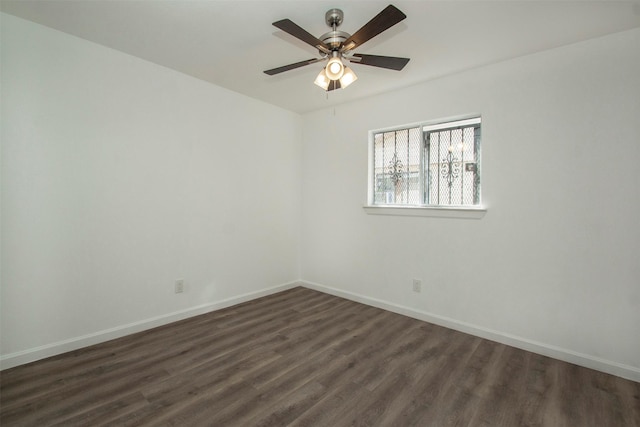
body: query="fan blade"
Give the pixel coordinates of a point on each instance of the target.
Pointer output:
(300, 33)
(390, 62)
(386, 19)
(284, 68)
(333, 85)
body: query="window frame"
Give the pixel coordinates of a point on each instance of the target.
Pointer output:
(429, 210)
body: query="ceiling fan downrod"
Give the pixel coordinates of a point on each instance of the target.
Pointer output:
(334, 38)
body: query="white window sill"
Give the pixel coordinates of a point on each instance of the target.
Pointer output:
(428, 211)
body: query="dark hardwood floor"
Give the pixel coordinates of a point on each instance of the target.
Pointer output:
(304, 358)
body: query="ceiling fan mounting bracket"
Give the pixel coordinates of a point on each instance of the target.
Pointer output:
(334, 17)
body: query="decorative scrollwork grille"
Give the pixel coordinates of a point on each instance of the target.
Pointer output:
(397, 163)
(454, 153)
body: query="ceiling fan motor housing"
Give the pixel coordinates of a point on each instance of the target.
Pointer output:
(334, 39)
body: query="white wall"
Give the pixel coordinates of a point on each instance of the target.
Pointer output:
(120, 176)
(554, 265)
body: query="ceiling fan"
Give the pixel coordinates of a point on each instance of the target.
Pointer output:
(336, 46)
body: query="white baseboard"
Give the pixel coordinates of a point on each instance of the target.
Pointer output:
(607, 366)
(31, 355)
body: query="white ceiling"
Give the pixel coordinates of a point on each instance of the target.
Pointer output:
(230, 43)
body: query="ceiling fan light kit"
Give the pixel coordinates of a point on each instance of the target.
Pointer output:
(348, 77)
(336, 47)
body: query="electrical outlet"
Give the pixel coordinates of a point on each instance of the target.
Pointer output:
(179, 286)
(417, 285)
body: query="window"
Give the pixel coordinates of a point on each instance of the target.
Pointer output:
(426, 165)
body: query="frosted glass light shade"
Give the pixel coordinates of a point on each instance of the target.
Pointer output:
(322, 80)
(348, 77)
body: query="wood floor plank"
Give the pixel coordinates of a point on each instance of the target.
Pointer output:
(435, 392)
(106, 412)
(61, 405)
(304, 358)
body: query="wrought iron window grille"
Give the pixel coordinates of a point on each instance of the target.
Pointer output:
(427, 165)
